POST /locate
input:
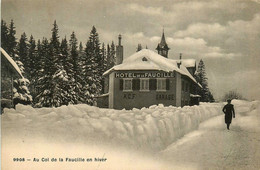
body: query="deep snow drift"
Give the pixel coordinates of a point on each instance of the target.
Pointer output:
(149, 138)
(148, 128)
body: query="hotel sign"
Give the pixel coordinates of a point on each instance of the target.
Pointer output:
(145, 75)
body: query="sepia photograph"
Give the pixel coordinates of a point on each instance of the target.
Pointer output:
(130, 84)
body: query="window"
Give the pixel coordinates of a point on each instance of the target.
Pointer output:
(127, 85)
(152, 84)
(136, 84)
(161, 84)
(144, 85)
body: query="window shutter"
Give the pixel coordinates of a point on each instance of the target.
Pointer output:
(136, 84)
(152, 84)
(121, 84)
(167, 84)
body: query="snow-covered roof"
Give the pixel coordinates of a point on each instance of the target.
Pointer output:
(149, 60)
(187, 62)
(11, 61)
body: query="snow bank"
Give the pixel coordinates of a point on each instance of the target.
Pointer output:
(152, 128)
(250, 112)
(82, 131)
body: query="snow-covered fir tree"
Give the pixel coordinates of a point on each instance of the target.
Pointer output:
(94, 39)
(104, 58)
(113, 54)
(81, 56)
(43, 74)
(11, 40)
(201, 77)
(81, 53)
(55, 81)
(89, 74)
(65, 58)
(58, 73)
(20, 90)
(39, 68)
(92, 67)
(111, 58)
(77, 72)
(23, 49)
(68, 64)
(110, 55)
(81, 65)
(4, 35)
(30, 64)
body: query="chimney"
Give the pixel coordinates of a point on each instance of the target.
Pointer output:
(179, 63)
(119, 51)
(119, 39)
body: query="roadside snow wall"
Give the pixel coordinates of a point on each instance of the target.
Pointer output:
(148, 128)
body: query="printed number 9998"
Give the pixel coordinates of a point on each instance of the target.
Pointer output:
(18, 159)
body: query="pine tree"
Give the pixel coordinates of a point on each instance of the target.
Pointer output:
(89, 74)
(211, 98)
(108, 56)
(67, 63)
(76, 69)
(81, 64)
(111, 55)
(94, 39)
(74, 56)
(44, 77)
(55, 81)
(81, 56)
(95, 51)
(39, 69)
(4, 35)
(31, 62)
(201, 78)
(11, 43)
(92, 67)
(23, 49)
(104, 63)
(65, 58)
(81, 52)
(20, 90)
(104, 57)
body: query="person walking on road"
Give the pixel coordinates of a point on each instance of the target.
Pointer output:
(228, 109)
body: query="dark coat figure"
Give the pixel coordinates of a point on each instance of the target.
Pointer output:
(228, 109)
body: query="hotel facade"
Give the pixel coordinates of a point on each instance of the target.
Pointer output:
(148, 78)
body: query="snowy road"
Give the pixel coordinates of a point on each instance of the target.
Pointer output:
(212, 146)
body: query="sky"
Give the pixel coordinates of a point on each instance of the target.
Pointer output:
(225, 34)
